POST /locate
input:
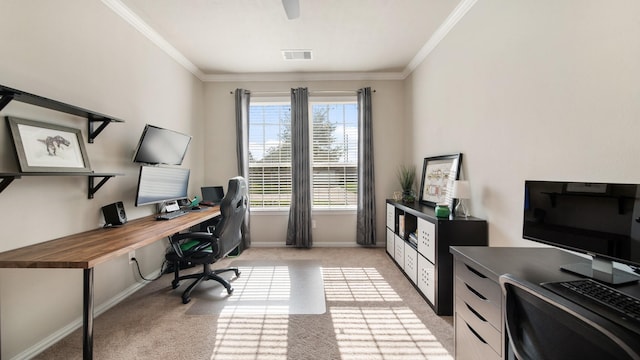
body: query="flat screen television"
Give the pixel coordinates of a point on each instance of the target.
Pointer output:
(161, 146)
(157, 185)
(598, 219)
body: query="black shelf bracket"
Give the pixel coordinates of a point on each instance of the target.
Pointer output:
(5, 100)
(93, 133)
(94, 188)
(6, 180)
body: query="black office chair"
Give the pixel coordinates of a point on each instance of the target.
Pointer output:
(208, 247)
(542, 325)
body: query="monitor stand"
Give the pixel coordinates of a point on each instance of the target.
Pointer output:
(601, 269)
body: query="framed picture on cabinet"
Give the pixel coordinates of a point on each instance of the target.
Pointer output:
(43, 147)
(438, 175)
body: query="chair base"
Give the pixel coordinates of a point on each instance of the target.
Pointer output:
(206, 274)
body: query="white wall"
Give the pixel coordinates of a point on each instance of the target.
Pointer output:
(540, 89)
(80, 52)
(332, 229)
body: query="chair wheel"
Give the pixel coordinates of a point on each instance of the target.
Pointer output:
(230, 290)
(175, 285)
(186, 301)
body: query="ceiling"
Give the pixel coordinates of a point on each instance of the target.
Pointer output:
(225, 39)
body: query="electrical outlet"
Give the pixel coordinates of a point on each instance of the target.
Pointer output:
(132, 254)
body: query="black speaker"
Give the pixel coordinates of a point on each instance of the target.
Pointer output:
(114, 214)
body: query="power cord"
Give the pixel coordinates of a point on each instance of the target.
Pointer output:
(162, 270)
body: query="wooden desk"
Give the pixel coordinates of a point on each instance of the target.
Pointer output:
(87, 249)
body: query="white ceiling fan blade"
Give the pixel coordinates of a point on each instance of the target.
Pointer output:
(292, 8)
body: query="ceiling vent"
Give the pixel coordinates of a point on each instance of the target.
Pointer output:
(297, 54)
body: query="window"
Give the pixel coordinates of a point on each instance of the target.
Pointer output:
(270, 154)
(335, 154)
(334, 127)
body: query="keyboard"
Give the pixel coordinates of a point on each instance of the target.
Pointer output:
(171, 215)
(600, 299)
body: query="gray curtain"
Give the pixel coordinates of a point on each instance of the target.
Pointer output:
(299, 229)
(242, 150)
(366, 213)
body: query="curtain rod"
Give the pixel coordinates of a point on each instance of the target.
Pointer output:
(286, 93)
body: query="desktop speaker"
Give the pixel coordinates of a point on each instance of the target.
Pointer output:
(114, 214)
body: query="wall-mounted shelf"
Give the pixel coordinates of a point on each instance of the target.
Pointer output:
(8, 94)
(7, 178)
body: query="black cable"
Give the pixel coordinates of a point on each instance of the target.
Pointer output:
(162, 270)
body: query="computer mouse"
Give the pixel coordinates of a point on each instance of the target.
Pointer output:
(195, 208)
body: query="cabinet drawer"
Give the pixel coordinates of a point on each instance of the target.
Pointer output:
(391, 210)
(411, 262)
(399, 251)
(484, 286)
(485, 308)
(482, 328)
(390, 243)
(468, 345)
(427, 239)
(426, 279)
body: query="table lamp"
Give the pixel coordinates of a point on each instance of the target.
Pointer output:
(461, 191)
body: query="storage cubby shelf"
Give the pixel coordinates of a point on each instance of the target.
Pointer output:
(8, 94)
(7, 178)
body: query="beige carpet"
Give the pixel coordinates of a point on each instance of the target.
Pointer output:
(372, 312)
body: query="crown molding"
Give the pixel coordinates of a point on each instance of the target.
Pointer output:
(134, 20)
(456, 15)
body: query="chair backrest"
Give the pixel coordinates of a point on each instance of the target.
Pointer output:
(233, 209)
(544, 325)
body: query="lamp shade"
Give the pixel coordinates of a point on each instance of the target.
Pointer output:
(461, 190)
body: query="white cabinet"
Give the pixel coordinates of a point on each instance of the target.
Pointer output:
(390, 242)
(427, 239)
(426, 279)
(411, 262)
(391, 210)
(398, 255)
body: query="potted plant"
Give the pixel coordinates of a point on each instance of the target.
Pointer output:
(406, 176)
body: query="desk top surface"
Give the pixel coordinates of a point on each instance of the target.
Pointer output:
(535, 265)
(87, 249)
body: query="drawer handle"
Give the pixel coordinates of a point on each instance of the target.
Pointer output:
(475, 313)
(475, 271)
(475, 333)
(475, 292)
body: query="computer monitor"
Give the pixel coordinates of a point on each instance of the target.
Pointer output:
(161, 184)
(598, 219)
(212, 194)
(161, 146)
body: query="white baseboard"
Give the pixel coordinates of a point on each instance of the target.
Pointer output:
(76, 324)
(315, 244)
